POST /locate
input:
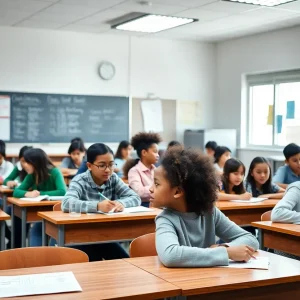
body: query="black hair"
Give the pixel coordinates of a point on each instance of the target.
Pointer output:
(211, 145)
(267, 186)
(220, 150)
(122, 145)
(23, 173)
(76, 145)
(97, 149)
(2, 148)
(40, 162)
(291, 150)
(77, 139)
(173, 143)
(194, 173)
(231, 166)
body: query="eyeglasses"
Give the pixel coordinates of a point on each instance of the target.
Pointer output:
(103, 167)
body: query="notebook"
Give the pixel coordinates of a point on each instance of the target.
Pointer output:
(44, 197)
(252, 200)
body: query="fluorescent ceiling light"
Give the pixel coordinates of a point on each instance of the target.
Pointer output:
(153, 23)
(262, 2)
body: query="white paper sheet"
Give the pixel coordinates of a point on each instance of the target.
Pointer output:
(152, 115)
(4, 186)
(252, 200)
(44, 197)
(127, 210)
(38, 284)
(258, 263)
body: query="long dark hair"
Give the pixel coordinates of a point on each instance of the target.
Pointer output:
(122, 145)
(40, 162)
(267, 186)
(231, 166)
(23, 173)
(220, 150)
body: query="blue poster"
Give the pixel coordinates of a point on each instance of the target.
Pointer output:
(279, 123)
(290, 110)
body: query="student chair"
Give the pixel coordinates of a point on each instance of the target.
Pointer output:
(143, 246)
(266, 216)
(57, 207)
(40, 256)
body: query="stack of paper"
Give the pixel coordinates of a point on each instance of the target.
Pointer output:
(45, 197)
(252, 200)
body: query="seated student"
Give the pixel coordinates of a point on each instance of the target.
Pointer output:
(172, 144)
(6, 167)
(210, 148)
(290, 172)
(141, 171)
(259, 180)
(287, 210)
(121, 156)
(70, 165)
(232, 181)
(100, 188)
(42, 179)
(222, 154)
(185, 184)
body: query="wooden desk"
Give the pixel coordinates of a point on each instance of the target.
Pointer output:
(114, 279)
(3, 218)
(280, 281)
(27, 212)
(283, 237)
(90, 228)
(245, 213)
(4, 193)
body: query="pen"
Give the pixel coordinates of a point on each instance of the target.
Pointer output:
(112, 210)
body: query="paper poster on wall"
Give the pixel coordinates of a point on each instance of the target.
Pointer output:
(5, 118)
(189, 113)
(152, 115)
(290, 110)
(279, 123)
(270, 115)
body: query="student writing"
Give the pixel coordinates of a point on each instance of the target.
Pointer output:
(185, 184)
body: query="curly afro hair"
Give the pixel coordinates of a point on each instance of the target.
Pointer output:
(194, 173)
(144, 140)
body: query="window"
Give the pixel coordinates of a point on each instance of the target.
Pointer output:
(273, 109)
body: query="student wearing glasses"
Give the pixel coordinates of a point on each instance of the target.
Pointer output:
(100, 189)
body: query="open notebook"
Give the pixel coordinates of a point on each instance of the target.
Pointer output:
(44, 197)
(252, 200)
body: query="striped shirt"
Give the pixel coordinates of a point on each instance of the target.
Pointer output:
(85, 193)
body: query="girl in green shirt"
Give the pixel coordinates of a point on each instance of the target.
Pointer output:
(42, 179)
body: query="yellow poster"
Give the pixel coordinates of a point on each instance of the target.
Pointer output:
(270, 115)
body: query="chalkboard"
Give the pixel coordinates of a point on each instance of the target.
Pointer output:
(55, 118)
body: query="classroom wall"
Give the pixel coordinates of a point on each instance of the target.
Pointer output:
(267, 52)
(66, 62)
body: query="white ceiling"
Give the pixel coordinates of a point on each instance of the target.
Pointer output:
(218, 20)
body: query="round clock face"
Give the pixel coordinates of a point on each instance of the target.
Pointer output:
(107, 70)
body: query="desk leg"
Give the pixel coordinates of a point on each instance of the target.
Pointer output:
(23, 228)
(61, 235)
(4, 198)
(44, 236)
(12, 226)
(261, 238)
(2, 235)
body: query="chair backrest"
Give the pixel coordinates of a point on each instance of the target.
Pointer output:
(266, 216)
(57, 207)
(40, 256)
(143, 246)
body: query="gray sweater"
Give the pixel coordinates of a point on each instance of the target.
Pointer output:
(287, 210)
(183, 239)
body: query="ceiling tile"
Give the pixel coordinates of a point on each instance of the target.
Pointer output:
(85, 28)
(133, 6)
(101, 17)
(35, 24)
(202, 14)
(52, 1)
(268, 13)
(99, 4)
(70, 9)
(11, 17)
(229, 7)
(185, 3)
(292, 6)
(29, 6)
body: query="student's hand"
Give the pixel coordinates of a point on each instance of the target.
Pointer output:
(245, 196)
(106, 205)
(32, 194)
(263, 196)
(11, 184)
(119, 207)
(240, 253)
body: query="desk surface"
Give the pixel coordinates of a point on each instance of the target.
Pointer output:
(228, 205)
(5, 190)
(58, 217)
(23, 203)
(194, 281)
(115, 279)
(291, 229)
(4, 216)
